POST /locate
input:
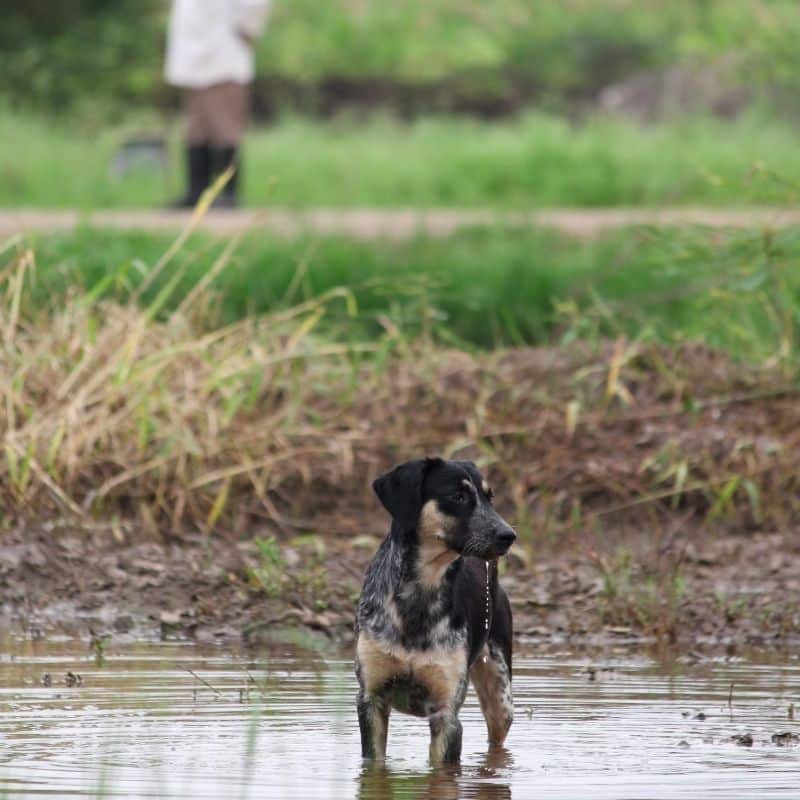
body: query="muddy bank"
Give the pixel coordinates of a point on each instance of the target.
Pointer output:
(699, 591)
(654, 491)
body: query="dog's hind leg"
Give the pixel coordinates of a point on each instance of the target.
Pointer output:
(491, 673)
(373, 720)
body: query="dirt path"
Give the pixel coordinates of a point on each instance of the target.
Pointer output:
(395, 224)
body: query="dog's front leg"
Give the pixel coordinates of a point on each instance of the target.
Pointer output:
(445, 737)
(373, 720)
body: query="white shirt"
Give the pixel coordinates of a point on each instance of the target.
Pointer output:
(206, 44)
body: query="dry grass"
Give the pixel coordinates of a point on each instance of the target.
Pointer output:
(111, 411)
(121, 413)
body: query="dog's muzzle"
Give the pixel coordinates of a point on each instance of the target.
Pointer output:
(503, 539)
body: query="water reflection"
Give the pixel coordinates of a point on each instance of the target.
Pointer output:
(482, 782)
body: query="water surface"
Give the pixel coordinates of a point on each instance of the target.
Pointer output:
(173, 720)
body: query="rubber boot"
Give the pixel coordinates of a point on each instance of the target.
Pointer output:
(222, 158)
(198, 168)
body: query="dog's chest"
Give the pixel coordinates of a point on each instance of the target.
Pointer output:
(418, 682)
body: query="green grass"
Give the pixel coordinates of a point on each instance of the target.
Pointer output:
(482, 288)
(561, 44)
(537, 160)
(555, 49)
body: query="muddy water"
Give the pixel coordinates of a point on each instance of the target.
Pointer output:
(169, 720)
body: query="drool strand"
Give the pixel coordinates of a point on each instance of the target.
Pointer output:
(486, 619)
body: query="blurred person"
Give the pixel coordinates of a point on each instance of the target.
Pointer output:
(210, 56)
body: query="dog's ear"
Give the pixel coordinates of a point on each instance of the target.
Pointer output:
(471, 468)
(400, 490)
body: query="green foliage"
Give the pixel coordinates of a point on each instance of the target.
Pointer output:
(486, 287)
(535, 160)
(269, 574)
(306, 581)
(67, 52)
(646, 595)
(58, 54)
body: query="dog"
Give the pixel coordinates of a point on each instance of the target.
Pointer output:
(432, 615)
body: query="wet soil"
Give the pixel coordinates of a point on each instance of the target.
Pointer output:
(669, 517)
(721, 592)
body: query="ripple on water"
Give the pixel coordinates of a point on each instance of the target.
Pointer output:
(161, 720)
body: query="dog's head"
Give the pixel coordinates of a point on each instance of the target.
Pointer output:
(445, 501)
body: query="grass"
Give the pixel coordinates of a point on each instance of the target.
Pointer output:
(304, 580)
(535, 160)
(560, 45)
(739, 291)
(556, 48)
(205, 391)
(648, 592)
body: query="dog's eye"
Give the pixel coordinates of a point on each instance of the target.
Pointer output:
(460, 497)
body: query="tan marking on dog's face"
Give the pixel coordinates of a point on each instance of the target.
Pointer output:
(433, 525)
(435, 556)
(493, 687)
(440, 670)
(485, 487)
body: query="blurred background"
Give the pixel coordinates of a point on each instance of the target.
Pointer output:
(513, 103)
(396, 282)
(557, 237)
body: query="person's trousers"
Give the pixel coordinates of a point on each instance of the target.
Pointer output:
(217, 115)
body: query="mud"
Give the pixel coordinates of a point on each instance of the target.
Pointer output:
(671, 518)
(703, 593)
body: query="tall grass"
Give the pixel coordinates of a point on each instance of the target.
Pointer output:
(107, 408)
(123, 404)
(739, 291)
(535, 160)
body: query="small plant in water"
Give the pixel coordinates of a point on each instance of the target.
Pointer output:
(98, 644)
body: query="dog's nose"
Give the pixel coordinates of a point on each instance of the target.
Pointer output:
(505, 538)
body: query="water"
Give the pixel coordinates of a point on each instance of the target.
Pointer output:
(143, 725)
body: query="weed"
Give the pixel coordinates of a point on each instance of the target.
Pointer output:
(633, 594)
(147, 408)
(633, 286)
(269, 575)
(295, 573)
(98, 645)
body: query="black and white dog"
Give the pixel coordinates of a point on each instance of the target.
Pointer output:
(432, 615)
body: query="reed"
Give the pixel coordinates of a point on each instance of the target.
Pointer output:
(140, 411)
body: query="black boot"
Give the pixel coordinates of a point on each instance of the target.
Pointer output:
(222, 158)
(198, 168)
